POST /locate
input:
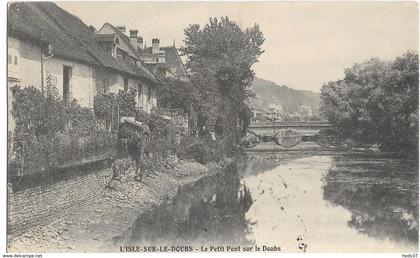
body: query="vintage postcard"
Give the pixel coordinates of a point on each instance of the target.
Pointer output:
(212, 127)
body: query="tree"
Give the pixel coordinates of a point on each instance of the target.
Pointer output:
(220, 57)
(178, 94)
(376, 102)
(111, 107)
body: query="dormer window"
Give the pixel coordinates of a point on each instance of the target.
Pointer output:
(109, 42)
(13, 57)
(161, 57)
(120, 55)
(114, 47)
(114, 51)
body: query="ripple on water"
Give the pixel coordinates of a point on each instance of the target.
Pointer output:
(300, 204)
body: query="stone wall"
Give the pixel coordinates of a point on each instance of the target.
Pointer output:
(43, 205)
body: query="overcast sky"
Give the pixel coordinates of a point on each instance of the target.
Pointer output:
(307, 43)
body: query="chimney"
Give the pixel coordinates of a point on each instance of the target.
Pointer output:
(133, 34)
(92, 29)
(121, 28)
(136, 41)
(155, 46)
(140, 43)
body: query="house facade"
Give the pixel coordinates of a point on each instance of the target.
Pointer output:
(127, 50)
(48, 44)
(164, 61)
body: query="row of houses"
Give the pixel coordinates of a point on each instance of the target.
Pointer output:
(47, 41)
(276, 114)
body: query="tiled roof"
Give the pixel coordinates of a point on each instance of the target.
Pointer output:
(172, 58)
(105, 37)
(126, 39)
(68, 35)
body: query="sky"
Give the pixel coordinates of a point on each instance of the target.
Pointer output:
(307, 43)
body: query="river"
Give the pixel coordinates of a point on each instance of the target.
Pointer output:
(298, 202)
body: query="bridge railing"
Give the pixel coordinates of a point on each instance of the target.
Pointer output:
(292, 123)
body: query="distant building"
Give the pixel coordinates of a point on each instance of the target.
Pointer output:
(305, 110)
(164, 61)
(126, 49)
(277, 107)
(272, 114)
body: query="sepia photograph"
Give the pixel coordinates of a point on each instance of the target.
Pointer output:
(211, 127)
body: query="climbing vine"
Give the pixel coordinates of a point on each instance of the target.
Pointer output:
(110, 106)
(48, 134)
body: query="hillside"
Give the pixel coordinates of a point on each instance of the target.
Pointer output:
(271, 95)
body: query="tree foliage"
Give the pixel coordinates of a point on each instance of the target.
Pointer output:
(49, 134)
(36, 114)
(111, 106)
(376, 102)
(220, 57)
(175, 93)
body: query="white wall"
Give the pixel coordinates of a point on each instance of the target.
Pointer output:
(149, 98)
(82, 84)
(143, 100)
(28, 69)
(85, 80)
(107, 29)
(116, 83)
(28, 72)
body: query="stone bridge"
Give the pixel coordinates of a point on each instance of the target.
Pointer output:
(304, 128)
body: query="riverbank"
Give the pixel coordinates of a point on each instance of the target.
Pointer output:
(91, 226)
(312, 148)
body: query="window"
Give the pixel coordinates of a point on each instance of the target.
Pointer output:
(149, 93)
(108, 125)
(154, 101)
(146, 99)
(114, 51)
(139, 95)
(66, 84)
(12, 60)
(125, 84)
(106, 85)
(120, 55)
(161, 59)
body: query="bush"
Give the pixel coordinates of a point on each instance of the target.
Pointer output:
(80, 120)
(49, 135)
(36, 114)
(110, 106)
(46, 152)
(376, 103)
(160, 139)
(194, 148)
(202, 151)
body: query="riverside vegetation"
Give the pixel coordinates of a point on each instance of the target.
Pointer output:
(376, 103)
(220, 56)
(50, 134)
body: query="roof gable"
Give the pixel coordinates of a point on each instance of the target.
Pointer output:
(172, 59)
(69, 36)
(28, 21)
(125, 44)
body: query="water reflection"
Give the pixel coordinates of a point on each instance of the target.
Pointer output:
(209, 211)
(335, 204)
(382, 195)
(299, 203)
